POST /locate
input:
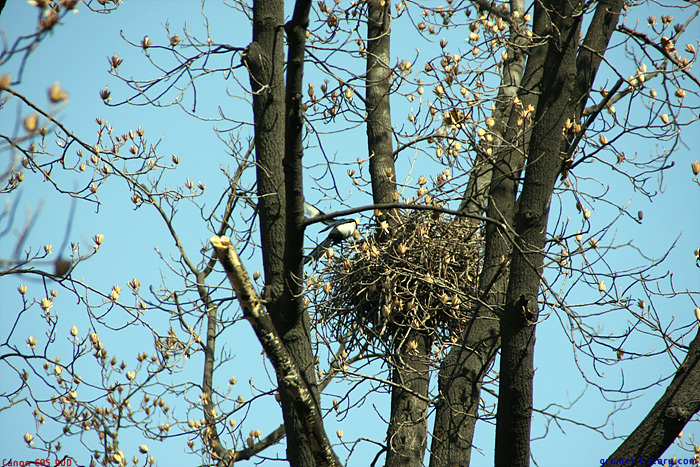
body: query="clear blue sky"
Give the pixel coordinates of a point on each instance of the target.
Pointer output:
(76, 56)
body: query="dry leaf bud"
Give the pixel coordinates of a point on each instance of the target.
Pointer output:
(30, 123)
(696, 167)
(5, 81)
(56, 93)
(386, 311)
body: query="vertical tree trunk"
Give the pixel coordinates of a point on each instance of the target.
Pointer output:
(566, 73)
(281, 226)
(462, 370)
(378, 84)
(492, 188)
(265, 61)
(293, 322)
(408, 425)
(476, 195)
(407, 431)
(521, 308)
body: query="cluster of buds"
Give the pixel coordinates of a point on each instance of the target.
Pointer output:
(105, 94)
(95, 341)
(115, 61)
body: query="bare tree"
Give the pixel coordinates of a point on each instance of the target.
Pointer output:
(433, 296)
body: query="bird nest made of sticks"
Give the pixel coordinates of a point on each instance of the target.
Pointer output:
(419, 275)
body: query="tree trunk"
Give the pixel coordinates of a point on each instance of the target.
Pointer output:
(281, 238)
(544, 164)
(407, 431)
(491, 190)
(378, 84)
(264, 59)
(408, 426)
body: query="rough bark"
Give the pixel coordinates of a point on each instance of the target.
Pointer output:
(407, 431)
(265, 61)
(492, 188)
(463, 369)
(378, 84)
(281, 226)
(293, 323)
(566, 73)
(593, 49)
(666, 419)
(459, 383)
(294, 147)
(521, 308)
(408, 426)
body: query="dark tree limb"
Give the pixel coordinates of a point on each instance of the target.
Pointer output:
(544, 164)
(293, 324)
(278, 151)
(408, 424)
(666, 419)
(492, 188)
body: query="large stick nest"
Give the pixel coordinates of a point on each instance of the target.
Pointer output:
(420, 275)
